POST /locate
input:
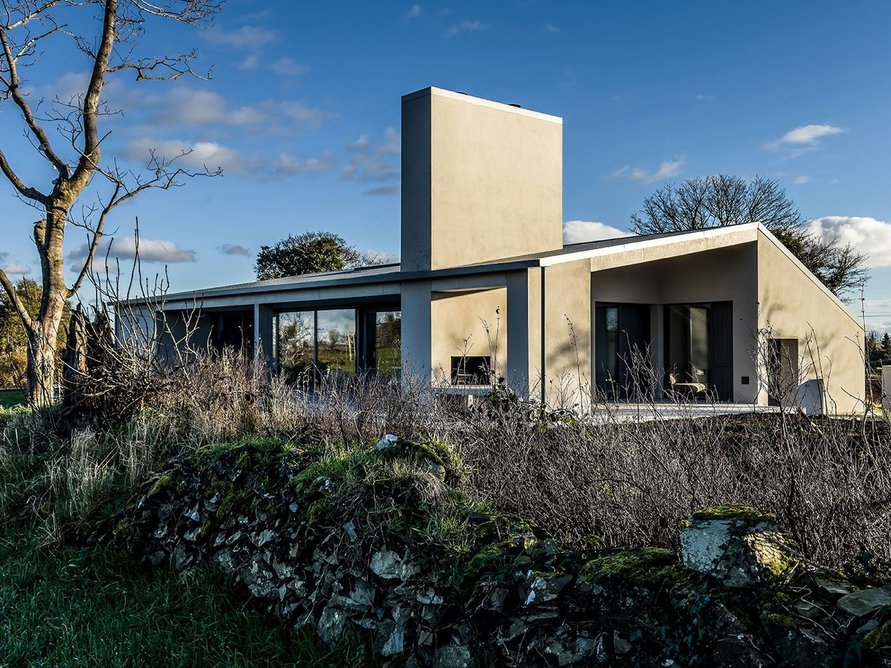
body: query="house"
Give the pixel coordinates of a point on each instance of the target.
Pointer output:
(487, 290)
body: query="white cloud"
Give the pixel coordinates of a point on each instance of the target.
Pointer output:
(868, 235)
(392, 142)
(414, 11)
(287, 67)
(373, 162)
(803, 139)
(552, 29)
(809, 134)
(801, 180)
(213, 155)
(465, 27)
(580, 231)
(13, 268)
(246, 37)
(666, 170)
(288, 165)
(233, 249)
(185, 106)
(124, 248)
(194, 155)
(303, 113)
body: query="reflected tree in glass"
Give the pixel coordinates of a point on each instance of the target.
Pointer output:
(336, 340)
(295, 341)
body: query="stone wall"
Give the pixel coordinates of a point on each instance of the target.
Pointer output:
(379, 546)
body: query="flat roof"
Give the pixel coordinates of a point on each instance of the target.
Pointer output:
(392, 273)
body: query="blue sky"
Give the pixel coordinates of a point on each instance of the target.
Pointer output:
(302, 112)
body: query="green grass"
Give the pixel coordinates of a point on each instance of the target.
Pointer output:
(10, 398)
(81, 607)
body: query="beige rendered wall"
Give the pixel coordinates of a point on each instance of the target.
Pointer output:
(567, 333)
(457, 328)
(793, 304)
(719, 274)
(482, 181)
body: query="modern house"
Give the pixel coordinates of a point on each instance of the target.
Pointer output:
(486, 288)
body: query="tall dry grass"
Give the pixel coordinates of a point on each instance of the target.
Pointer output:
(607, 477)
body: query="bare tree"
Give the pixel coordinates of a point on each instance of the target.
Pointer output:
(82, 189)
(719, 200)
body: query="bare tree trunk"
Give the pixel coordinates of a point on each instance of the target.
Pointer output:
(25, 28)
(41, 368)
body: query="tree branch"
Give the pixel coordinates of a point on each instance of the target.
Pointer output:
(26, 191)
(27, 321)
(89, 158)
(14, 90)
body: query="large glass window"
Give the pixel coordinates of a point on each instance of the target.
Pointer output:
(387, 341)
(325, 340)
(336, 340)
(688, 348)
(296, 347)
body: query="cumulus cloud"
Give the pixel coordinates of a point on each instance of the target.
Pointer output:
(13, 268)
(124, 248)
(375, 162)
(801, 180)
(191, 106)
(283, 67)
(868, 235)
(213, 155)
(233, 249)
(580, 231)
(465, 27)
(245, 37)
(666, 170)
(287, 67)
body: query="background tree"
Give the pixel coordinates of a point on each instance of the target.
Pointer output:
(307, 253)
(716, 201)
(886, 346)
(13, 339)
(78, 187)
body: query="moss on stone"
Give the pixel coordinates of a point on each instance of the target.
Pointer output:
(644, 565)
(879, 637)
(163, 482)
(733, 512)
(781, 620)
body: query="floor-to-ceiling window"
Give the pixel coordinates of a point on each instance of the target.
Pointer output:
(336, 340)
(324, 340)
(687, 361)
(329, 340)
(296, 341)
(383, 341)
(622, 336)
(698, 349)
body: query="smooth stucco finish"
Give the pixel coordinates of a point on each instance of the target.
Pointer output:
(794, 304)
(468, 323)
(482, 181)
(714, 274)
(567, 333)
